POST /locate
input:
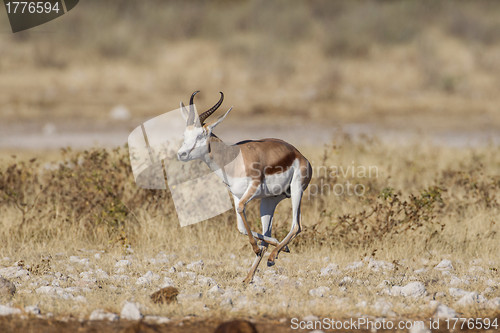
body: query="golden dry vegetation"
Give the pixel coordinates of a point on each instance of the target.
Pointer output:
(77, 234)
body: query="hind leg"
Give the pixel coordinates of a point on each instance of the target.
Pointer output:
(296, 197)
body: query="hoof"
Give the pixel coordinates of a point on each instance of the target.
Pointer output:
(286, 249)
(270, 263)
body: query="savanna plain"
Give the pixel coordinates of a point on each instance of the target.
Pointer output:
(394, 229)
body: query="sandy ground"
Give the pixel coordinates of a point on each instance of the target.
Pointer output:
(54, 136)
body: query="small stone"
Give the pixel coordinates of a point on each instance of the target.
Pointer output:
(331, 269)
(147, 278)
(471, 298)
(100, 314)
(345, 281)
(119, 112)
(188, 297)
(413, 289)
(122, 263)
(32, 309)
(194, 266)
(442, 311)
(494, 303)
(8, 311)
(130, 311)
(444, 265)
(156, 320)
(216, 290)
(319, 292)
(457, 292)
(354, 265)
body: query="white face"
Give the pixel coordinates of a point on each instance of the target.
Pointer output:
(195, 143)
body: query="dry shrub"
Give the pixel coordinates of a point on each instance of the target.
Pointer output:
(93, 189)
(389, 216)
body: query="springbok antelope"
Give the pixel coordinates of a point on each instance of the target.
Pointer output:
(269, 169)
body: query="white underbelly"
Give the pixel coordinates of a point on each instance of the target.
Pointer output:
(272, 185)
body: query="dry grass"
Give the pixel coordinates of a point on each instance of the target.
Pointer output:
(395, 64)
(429, 203)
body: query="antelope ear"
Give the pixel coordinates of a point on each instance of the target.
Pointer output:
(188, 115)
(212, 126)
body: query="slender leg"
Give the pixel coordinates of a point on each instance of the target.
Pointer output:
(255, 264)
(296, 196)
(240, 210)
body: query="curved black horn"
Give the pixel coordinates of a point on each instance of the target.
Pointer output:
(191, 108)
(207, 113)
(191, 101)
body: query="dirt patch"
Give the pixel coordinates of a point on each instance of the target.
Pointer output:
(17, 324)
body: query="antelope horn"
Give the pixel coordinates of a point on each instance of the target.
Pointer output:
(191, 108)
(207, 113)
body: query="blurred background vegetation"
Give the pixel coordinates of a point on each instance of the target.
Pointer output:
(426, 65)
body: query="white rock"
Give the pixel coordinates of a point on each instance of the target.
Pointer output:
(206, 281)
(156, 320)
(147, 278)
(457, 292)
(494, 303)
(226, 301)
(383, 307)
(444, 265)
(442, 311)
(101, 274)
(377, 265)
(455, 281)
(354, 265)
(80, 299)
(188, 297)
(167, 282)
(187, 275)
(7, 310)
(14, 272)
(100, 314)
(216, 290)
(413, 289)
(119, 112)
(33, 309)
(319, 292)
(420, 271)
(97, 256)
(45, 290)
(331, 269)
(130, 311)
(123, 263)
(194, 266)
(345, 280)
(491, 283)
(471, 298)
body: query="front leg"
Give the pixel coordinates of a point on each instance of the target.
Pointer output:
(240, 209)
